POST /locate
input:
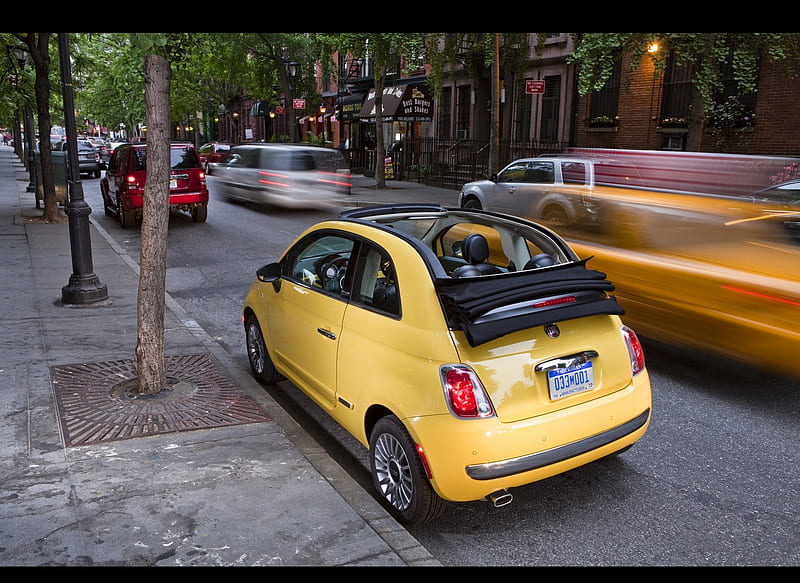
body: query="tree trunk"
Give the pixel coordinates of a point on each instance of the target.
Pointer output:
(150, 359)
(39, 49)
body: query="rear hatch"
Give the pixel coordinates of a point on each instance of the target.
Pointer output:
(522, 374)
(540, 340)
(186, 175)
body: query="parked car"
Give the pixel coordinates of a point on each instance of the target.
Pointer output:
(110, 149)
(88, 158)
(122, 187)
(285, 175)
(471, 352)
(213, 153)
(101, 148)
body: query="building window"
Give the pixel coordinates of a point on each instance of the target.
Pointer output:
(463, 106)
(445, 117)
(604, 104)
(551, 99)
(733, 108)
(676, 100)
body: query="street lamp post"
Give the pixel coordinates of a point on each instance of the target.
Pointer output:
(30, 133)
(291, 71)
(322, 111)
(84, 286)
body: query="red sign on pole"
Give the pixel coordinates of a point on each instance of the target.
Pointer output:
(299, 103)
(532, 86)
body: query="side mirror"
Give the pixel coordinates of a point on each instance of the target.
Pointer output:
(493, 177)
(271, 273)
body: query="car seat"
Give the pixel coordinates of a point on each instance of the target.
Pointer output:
(540, 260)
(476, 252)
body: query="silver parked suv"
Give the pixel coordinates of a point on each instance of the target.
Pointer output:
(285, 175)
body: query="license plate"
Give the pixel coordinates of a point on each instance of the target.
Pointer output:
(569, 381)
(173, 183)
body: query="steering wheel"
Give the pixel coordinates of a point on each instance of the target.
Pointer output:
(331, 272)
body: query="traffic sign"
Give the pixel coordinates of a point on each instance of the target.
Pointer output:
(533, 86)
(299, 103)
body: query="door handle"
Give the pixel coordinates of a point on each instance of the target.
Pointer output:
(327, 333)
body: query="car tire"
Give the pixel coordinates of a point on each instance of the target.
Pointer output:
(554, 216)
(399, 476)
(97, 173)
(106, 198)
(260, 362)
(472, 203)
(200, 213)
(127, 219)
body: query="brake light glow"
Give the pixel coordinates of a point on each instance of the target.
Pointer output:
(464, 392)
(274, 179)
(554, 302)
(635, 351)
(335, 178)
(763, 296)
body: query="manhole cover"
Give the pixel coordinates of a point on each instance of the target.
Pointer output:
(95, 405)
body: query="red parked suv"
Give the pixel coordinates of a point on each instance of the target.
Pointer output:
(123, 185)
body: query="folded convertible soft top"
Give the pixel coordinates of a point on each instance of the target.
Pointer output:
(486, 308)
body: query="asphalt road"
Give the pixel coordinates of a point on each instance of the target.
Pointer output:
(714, 482)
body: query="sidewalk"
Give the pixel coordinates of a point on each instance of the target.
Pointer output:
(225, 479)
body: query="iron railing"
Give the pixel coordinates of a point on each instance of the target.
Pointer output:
(452, 163)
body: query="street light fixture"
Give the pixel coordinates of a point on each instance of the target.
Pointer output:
(84, 286)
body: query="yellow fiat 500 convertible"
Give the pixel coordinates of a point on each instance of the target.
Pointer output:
(470, 351)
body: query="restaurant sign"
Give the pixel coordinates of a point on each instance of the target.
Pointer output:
(400, 103)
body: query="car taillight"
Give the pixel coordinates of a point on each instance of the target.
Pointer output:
(464, 392)
(635, 352)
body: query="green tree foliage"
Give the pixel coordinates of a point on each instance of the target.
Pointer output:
(596, 52)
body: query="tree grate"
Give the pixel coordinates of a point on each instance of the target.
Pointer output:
(95, 406)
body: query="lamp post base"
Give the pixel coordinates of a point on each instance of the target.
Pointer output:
(84, 290)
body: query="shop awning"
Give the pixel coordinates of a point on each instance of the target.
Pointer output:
(400, 103)
(349, 106)
(260, 108)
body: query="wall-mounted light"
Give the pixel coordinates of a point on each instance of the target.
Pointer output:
(653, 48)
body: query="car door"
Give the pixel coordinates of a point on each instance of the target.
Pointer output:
(503, 195)
(305, 316)
(117, 170)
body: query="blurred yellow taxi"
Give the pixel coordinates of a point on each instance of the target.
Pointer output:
(720, 274)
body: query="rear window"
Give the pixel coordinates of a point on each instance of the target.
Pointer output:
(329, 159)
(180, 158)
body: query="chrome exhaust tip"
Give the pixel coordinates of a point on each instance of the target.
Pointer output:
(500, 499)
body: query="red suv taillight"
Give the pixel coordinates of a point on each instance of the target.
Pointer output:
(133, 183)
(464, 392)
(635, 352)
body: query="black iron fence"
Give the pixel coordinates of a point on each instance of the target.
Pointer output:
(451, 163)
